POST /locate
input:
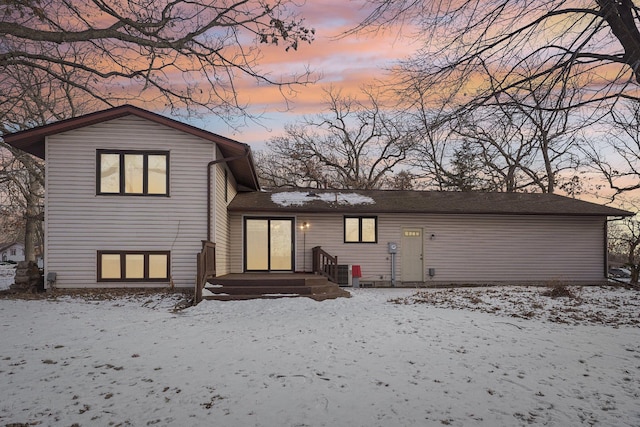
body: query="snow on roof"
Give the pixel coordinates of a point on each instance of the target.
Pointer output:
(300, 198)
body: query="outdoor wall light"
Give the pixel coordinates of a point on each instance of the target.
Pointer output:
(304, 226)
(432, 237)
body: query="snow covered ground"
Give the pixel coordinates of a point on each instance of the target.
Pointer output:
(7, 273)
(439, 358)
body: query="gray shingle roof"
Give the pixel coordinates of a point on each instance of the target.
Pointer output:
(435, 202)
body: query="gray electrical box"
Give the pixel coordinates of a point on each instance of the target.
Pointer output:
(393, 247)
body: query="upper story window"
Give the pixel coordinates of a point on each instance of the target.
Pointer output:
(126, 172)
(360, 229)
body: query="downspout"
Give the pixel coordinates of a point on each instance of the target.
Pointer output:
(393, 269)
(209, 197)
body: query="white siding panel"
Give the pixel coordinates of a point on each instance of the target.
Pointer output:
(465, 248)
(529, 248)
(79, 223)
(236, 242)
(222, 230)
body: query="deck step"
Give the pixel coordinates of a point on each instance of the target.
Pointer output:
(266, 289)
(269, 286)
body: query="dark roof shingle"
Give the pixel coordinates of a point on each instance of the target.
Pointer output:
(434, 202)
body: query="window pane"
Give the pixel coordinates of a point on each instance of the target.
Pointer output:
(158, 266)
(109, 173)
(134, 268)
(281, 244)
(368, 229)
(157, 174)
(110, 266)
(351, 230)
(257, 244)
(133, 173)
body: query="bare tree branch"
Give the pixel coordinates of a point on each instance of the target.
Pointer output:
(185, 55)
(617, 159)
(354, 145)
(32, 97)
(462, 41)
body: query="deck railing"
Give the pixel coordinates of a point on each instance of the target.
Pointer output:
(206, 266)
(325, 264)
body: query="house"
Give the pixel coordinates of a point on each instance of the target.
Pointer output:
(12, 252)
(131, 195)
(428, 238)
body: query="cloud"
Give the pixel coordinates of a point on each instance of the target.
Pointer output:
(342, 63)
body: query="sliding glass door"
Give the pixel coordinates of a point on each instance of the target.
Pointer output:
(268, 244)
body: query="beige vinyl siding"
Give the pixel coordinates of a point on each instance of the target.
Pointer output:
(325, 231)
(521, 248)
(236, 242)
(465, 248)
(79, 223)
(222, 231)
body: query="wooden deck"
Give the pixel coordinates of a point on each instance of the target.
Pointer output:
(271, 285)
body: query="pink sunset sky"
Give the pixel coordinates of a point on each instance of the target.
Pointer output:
(343, 63)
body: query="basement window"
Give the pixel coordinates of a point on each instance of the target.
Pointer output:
(133, 266)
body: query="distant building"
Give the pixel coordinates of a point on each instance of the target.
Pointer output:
(11, 252)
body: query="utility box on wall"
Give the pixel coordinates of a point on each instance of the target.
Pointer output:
(344, 274)
(357, 274)
(392, 247)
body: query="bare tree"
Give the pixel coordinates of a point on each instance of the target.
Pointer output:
(624, 242)
(615, 155)
(177, 54)
(523, 140)
(21, 191)
(522, 147)
(483, 53)
(597, 43)
(356, 144)
(445, 161)
(32, 98)
(61, 58)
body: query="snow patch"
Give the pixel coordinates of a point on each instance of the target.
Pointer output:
(300, 198)
(7, 273)
(281, 295)
(207, 293)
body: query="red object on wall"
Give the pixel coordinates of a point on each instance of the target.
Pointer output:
(356, 271)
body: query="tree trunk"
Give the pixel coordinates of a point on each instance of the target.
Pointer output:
(32, 219)
(619, 14)
(635, 272)
(631, 262)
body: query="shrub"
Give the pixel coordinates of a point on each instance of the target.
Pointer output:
(559, 291)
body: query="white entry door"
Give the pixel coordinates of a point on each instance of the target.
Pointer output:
(412, 255)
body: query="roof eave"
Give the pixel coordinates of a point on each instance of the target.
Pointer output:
(355, 210)
(32, 140)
